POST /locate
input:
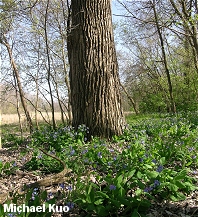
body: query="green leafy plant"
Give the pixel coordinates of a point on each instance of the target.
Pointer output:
(155, 158)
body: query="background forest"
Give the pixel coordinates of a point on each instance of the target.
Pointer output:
(157, 49)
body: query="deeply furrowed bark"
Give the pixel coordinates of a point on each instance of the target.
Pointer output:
(95, 93)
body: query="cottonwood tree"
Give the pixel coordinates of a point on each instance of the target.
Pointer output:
(95, 93)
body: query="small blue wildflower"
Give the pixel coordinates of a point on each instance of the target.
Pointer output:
(95, 146)
(109, 163)
(114, 158)
(11, 215)
(85, 139)
(70, 205)
(150, 188)
(194, 156)
(14, 164)
(146, 189)
(191, 149)
(142, 142)
(55, 136)
(111, 150)
(35, 189)
(103, 144)
(23, 159)
(141, 159)
(50, 194)
(154, 161)
(69, 188)
(159, 169)
(72, 152)
(124, 166)
(34, 193)
(181, 142)
(86, 160)
(156, 183)
(62, 185)
(39, 156)
(99, 155)
(84, 151)
(128, 146)
(112, 187)
(53, 152)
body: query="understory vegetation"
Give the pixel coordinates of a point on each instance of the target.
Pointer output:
(154, 160)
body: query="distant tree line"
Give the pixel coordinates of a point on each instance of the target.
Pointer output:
(160, 62)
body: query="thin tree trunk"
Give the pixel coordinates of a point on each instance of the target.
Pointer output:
(17, 76)
(131, 99)
(37, 88)
(173, 107)
(57, 93)
(37, 102)
(67, 25)
(67, 82)
(95, 89)
(49, 67)
(17, 106)
(190, 27)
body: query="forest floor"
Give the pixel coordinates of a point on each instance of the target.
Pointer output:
(186, 208)
(176, 134)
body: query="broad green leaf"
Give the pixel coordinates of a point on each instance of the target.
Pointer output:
(162, 160)
(90, 206)
(139, 175)
(181, 175)
(138, 192)
(1, 210)
(121, 191)
(135, 213)
(181, 196)
(119, 179)
(98, 202)
(180, 184)
(28, 195)
(44, 195)
(101, 211)
(100, 193)
(148, 166)
(115, 203)
(90, 188)
(172, 187)
(131, 173)
(190, 186)
(152, 175)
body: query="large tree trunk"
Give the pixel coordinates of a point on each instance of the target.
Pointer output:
(95, 93)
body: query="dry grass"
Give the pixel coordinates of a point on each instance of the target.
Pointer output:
(13, 118)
